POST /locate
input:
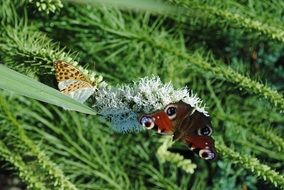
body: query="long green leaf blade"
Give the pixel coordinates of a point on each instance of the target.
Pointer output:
(141, 5)
(23, 85)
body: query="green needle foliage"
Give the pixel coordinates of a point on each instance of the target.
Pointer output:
(165, 155)
(233, 13)
(229, 53)
(253, 165)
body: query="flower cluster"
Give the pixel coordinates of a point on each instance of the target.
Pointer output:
(47, 5)
(123, 105)
(166, 156)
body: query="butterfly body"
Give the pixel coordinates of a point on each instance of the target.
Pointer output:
(72, 82)
(185, 123)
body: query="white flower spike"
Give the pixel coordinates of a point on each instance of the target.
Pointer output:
(120, 105)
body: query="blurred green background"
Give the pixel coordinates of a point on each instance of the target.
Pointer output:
(228, 52)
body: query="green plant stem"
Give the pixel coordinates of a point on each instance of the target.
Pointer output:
(25, 172)
(252, 164)
(223, 72)
(235, 19)
(276, 140)
(28, 51)
(263, 132)
(218, 70)
(59, 180)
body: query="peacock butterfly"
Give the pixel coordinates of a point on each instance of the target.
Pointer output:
(185, 123)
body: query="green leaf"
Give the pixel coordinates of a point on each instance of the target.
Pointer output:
(23, 85)
(142, 5)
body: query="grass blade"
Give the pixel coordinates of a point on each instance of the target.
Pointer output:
(141, 5)
(23, 85)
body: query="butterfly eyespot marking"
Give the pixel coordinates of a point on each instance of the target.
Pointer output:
(147, 122)
(205, 131)
(207, 154)
(171, 111)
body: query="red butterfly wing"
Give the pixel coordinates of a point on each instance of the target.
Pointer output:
(158, 121)
(202, 145)
(187, 124)
(195, 129)
(163, 122)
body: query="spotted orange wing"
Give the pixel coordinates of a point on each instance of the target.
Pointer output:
(72, 82)
(65, 71)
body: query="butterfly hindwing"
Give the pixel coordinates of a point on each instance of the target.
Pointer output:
(81, 95)
(77, 85)
(202, 145)
(65, 83)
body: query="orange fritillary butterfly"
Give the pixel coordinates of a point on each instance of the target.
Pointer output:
(72, 82)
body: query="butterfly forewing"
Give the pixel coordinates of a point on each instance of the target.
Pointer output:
(163, 123)
(195, 124)
(65, 71)
(182, 114)
(72, 82)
